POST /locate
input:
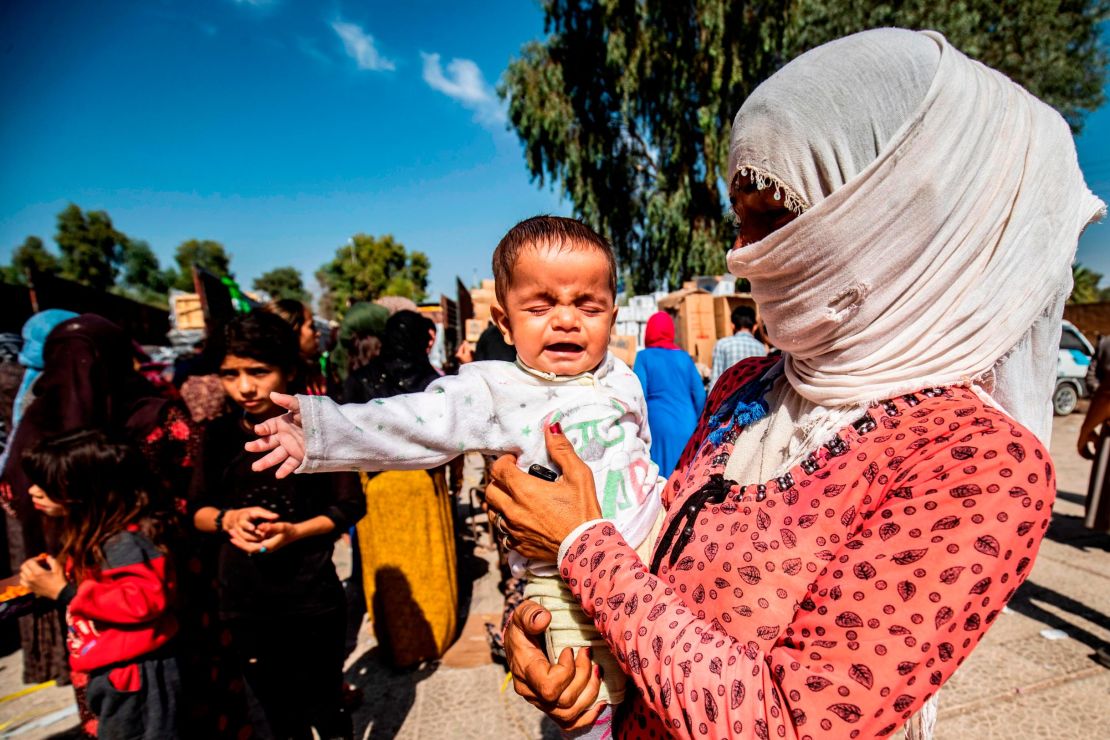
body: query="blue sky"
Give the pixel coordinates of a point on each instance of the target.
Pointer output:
(282, 128)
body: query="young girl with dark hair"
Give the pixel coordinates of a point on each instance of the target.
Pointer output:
(278, 591)
(112, 576)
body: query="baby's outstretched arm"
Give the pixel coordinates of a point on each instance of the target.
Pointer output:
(282, 436)
(412, 431)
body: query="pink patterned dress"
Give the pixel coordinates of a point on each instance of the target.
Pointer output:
(830, 602)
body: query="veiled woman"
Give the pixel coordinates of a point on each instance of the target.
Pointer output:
(846, 522)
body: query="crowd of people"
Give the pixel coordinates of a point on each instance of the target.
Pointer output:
(181, 593)
(784, 557)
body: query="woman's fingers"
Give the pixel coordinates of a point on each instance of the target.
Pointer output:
(503, 472)
(549, 680)
(257, 512)
(500, 500)
(583, 669)
(562, 453)
(584, 720)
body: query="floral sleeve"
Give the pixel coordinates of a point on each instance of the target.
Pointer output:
(834, 612)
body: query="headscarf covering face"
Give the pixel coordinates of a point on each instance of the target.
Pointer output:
(402, 366)
(659, 332)
(927, 209)
(35, 331)
(89, 380)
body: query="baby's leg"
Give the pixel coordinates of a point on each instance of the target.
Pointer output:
(570, 627)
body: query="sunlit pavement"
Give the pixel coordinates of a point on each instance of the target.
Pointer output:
(1033, 676)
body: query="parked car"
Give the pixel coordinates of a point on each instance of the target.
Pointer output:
(1071, 370)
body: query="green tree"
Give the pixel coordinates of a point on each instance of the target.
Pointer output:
(90, 245)
(1085, 285)
(30, 256)
(204, 253)
(142, 275)
(368, 267)
(627, 106)
(282, 282)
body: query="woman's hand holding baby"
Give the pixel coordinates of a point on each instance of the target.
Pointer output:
(539, 515)
(282, 436)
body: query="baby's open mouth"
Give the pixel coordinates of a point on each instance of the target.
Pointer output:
(564, 347)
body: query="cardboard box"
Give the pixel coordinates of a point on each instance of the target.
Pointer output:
(723, 305)
(623, 347)
(697, 327)
(187, 311)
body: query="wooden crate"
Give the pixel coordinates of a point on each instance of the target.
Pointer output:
(187, 311)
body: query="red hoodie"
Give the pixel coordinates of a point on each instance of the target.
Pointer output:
(120, 612)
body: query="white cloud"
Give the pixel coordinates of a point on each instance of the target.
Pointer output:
(360, 47)
(464, 82)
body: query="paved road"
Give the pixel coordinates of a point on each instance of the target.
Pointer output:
(1018, 684)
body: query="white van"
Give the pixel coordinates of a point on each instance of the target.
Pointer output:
(1075, 358)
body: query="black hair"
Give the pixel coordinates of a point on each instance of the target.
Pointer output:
(103, 485)
(567, 233)
(743, 317)
(289, 309)
(261, 336)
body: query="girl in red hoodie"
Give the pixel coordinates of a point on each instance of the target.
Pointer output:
(112, 578)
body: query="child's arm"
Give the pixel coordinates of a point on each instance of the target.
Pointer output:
(415, 431)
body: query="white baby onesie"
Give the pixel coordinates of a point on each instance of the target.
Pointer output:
(499, 407)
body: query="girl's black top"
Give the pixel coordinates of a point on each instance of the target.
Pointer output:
(298, 579)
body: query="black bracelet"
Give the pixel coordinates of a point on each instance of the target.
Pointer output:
(220, 521)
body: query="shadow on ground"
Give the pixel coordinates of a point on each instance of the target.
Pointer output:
(388, 694)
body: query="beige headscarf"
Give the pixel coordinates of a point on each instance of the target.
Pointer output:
(940, 208)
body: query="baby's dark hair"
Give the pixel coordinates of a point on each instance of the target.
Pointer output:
(290, 309)
(261, 336)
(565, 233)
(104, 487)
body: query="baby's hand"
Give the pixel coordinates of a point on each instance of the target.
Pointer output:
(282, 436)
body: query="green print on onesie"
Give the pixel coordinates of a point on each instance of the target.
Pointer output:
(590, 445)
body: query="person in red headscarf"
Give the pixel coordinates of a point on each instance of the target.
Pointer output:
(674, 391)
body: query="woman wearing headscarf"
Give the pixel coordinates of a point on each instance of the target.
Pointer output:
(88, 381)
(846, 522)
(674, 391)
(35, 331)
(359, 342)
(406, 540)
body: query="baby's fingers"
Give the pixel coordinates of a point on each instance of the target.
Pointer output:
(277, 456)
(262, 444)
(288, 467)
(287, 402)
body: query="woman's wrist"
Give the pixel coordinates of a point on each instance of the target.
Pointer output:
(573, 536)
